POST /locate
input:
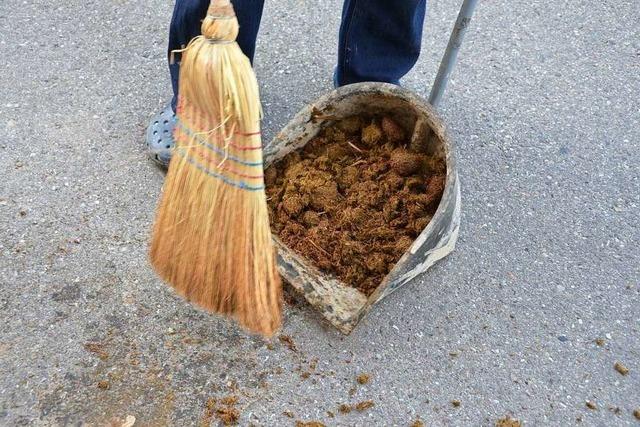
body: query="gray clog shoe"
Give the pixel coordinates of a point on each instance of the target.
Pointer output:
(160, 136)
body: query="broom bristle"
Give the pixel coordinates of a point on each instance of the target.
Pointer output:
(211, 239)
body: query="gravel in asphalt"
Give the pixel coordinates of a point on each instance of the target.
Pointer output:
(526, 319)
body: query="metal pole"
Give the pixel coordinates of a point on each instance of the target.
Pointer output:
(451, 53)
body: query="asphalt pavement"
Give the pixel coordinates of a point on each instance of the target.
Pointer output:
(526, 319)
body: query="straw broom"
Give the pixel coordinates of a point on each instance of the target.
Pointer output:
(211, 238)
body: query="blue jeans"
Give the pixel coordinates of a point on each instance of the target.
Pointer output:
(379, 40)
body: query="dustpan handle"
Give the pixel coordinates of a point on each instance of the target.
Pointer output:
(451, 52)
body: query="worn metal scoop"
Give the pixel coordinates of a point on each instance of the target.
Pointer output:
(340, 304)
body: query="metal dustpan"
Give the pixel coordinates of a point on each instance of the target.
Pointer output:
(342, 305)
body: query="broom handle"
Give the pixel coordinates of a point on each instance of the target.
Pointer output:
(222, 7)
(451, 52)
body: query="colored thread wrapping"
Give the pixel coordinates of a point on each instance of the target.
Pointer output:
(213, 148)
(226, 168)
(239, 184)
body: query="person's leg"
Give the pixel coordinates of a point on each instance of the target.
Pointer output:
(185, 25)
(379, 40)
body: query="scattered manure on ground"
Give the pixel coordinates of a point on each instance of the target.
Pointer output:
(364, 405)
(363, 379)
(508, 422)
(224, 410)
